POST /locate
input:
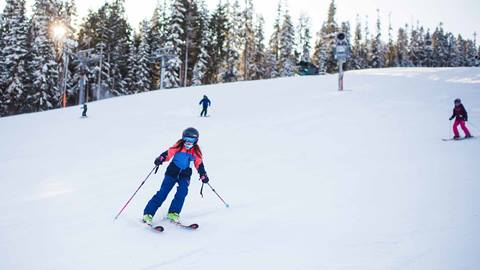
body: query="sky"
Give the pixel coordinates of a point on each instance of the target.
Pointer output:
(459, 17)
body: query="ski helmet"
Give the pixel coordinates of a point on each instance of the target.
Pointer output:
(458, 101)
(190, 133)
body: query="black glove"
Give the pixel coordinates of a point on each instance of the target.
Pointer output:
(451, 118)
(159, 160)
(204, 178)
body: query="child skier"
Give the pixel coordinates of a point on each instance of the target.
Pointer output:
(460, 115)
(178, 172)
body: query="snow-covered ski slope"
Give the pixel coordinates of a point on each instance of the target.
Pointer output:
(315, 178)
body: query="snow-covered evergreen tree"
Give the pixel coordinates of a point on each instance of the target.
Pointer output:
(131, 79)
(440, 47)
(45, 89)
(402, 48)
(200, 67)
(345, 28)
(65, 48)
(415, 52)
(452, 54)
(320, 57)
(287, 46)
(142, 68)
(376, 56)
(117, 47)
(2, 46)
(391, 54)
(330, 38)
(358, 54)
(176, 44)
(248, 63)
(304, 38)
(427, 47)
(156, 39)
(259, 70)
(273, 57)
(218, 30)
(470, 52)
(14, 78)
(231, 64)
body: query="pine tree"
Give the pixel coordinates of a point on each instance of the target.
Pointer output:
(440, 47)
(345, 28)
(470, 53)
(330, 35)
(200, 67)
(320, 57)
(260, 68)
(131, 79)
(142, 67)
(402, 48)
(287, 45)
(391, 54)
(478, 57)
(192, 28)
(273, 57)
(248, 63)
(376, 58)
(176, 44)
(428, 62)
(304, 38)
(44, 68)
(108, 32)
(218, 30)
(14, 51)
(415, 49)
(65, 48)
(231, 64)
(454, 52)
(117, 47)
(2, 57)
(358, 55)
(156, 40)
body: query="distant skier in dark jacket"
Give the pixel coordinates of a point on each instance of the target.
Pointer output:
(205, 102)
(182, 154)
(84, 112)
(461, 116)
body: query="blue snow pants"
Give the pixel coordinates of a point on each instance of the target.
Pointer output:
(167, 185)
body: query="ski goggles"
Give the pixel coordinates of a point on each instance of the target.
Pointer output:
(189, 139)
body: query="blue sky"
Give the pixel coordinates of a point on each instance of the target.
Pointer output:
(460, 16)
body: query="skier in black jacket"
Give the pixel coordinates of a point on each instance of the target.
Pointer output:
(205, 102)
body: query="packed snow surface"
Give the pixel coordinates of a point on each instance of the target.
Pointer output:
(315, 178)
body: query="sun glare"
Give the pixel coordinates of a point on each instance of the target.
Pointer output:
(59, 31)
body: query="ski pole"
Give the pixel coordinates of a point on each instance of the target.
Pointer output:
(156, 167)
(226, 204)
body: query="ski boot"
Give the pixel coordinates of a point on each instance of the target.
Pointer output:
(148, 219)
(456, 138)
(173, 217)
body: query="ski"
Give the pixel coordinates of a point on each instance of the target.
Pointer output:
(192, 226)
(459, 139)
(156, 228)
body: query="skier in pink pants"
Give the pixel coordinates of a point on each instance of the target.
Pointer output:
(461, 116)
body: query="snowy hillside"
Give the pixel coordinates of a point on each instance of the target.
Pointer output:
(316, 178)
